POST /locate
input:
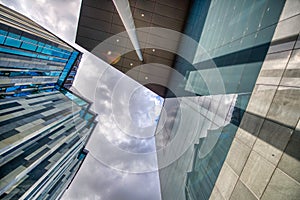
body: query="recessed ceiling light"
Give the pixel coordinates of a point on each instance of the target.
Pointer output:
(131, 64)
(153, 50)
(146, 77)
(109, 53)
(117, 40)
(142, 14)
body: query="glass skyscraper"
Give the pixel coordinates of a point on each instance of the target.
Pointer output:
(44, 127)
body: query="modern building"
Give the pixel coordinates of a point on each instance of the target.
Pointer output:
(32, 58)
(229, 73)
(42, 143)
(44, 127)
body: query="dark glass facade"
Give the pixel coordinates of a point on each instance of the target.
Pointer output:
(233, 41)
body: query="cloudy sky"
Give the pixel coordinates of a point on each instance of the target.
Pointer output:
(122, 159)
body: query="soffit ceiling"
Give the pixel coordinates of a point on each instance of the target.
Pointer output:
(99, 20)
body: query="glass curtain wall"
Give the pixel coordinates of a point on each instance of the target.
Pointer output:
(233, 40)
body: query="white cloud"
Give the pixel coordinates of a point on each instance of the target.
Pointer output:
(112, 184)
(60, 17)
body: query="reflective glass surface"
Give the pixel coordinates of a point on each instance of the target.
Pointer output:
(68, 67)
(29, 59)
(205, 107)
(76, 99)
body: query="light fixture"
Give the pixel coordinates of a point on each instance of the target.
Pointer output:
(153, 50)
(131, 64)
(109, 53)
(143, 15)
(146, 77)
(117, 40)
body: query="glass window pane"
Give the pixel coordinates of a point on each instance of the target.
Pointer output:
(13, 35)
(12, 42)
(2, 38)
(28, 46)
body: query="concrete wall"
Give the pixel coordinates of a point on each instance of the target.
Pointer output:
(264, 159)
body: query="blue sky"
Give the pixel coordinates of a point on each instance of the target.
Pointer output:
(122, 160)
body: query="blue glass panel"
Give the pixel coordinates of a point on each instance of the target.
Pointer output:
(41, 44)
(17, 52)
(11, 89)
(35, 88)
(26, 54)
(75, 99)
(12, 42)
(32, 73)
(56, 48)
(48, 90)
(79, 101)
(29, 54)
(39, 49)
(59, 54)
(55, 73)
(81, 156)
(3, 32)
(48, 46)
(13, 35)
(46, 51)
(12, 74)
(52, 52)
(57, 60)
(28, 46)
(81, 113)
(88, 116)
(29, 40)
(43, 57)
(2, 38)
(72, 73)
